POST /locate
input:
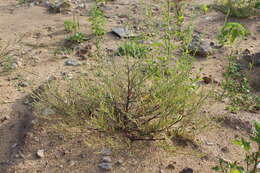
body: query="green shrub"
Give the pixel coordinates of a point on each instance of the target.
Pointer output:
(125, 99)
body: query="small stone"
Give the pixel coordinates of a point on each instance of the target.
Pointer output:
(258, 166)
(14, 145)
(225, 150)
(14, 65)
(47, 111)
(40, 154)
(105, 166)
(106, 159)
(187, 170)
(207, 80)
(23, 84)
(4, 118)
(119, 162)
(161, 171)
(83, 156)
(71, 163)
(106, 152)
(209, 143)
(72, 62)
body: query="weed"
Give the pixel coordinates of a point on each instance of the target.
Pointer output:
(97, 20)
(77, 38)
(257, 5)
(72, 26)
(63, 51)
(235, 85)
(204, 8)
(251, 159)
(69, 26)
(133, 49)
(7, 63)
(22, 1)
(230, 32)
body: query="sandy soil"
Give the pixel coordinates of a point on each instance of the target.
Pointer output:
(33, 34)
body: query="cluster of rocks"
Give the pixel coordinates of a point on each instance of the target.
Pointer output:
(199, 46)
(59, 6)
(105, 161)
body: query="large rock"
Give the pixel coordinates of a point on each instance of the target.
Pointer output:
(199, 46)
(123, 32)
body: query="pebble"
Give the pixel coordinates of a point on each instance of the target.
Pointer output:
(40, 154)
(161, 171)
(4, 118)
(119, 162)
(106, 152)
(105, 166)
(209, 143)
(47, 111)
(14, 65)
(71, 62)
(106, 159)
(187, 170)
(23, 84)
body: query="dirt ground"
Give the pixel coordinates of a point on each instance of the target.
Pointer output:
(33, 34)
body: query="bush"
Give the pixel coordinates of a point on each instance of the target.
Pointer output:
(130, 100)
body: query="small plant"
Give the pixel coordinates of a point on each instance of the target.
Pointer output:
(204, 8)
(63, 51)
(132, 49)
(97, 21)
(70, 26)
(237, 8)
(252, 158)
(77, 38)
(257, 5)
(230, 32)
(6, 63)
(235, 85)
(237, 88)
(22, 1)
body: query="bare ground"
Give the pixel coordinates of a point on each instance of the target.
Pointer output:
(21, 134)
